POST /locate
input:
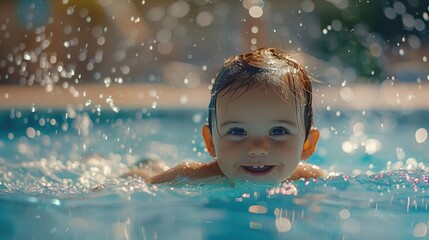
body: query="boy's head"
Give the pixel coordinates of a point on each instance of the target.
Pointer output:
(264, 67)
(260, 116)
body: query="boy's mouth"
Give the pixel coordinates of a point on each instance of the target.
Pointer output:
(258, 170)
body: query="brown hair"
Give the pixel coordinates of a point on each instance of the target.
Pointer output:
(262, 67)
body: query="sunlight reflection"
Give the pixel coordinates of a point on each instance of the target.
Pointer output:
(256, 225)
(421, 135)
(344, 214)
(283, 224)
(420, 230)
(258, 209)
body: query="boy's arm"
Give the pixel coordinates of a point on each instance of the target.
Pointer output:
(307, 171)
(192, 170)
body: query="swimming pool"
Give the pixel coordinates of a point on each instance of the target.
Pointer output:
(51, 161)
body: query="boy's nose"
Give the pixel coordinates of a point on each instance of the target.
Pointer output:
(258, 147)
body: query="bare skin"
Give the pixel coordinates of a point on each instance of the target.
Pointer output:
(196, 171)
(248, 136)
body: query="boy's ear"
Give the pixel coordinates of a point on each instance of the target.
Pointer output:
(208, 139)
(310, 144)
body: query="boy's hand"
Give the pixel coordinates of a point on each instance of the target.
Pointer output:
(307, 171)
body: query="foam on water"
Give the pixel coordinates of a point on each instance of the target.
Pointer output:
(343, 206)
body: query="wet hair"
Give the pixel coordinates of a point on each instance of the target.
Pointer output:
(264, 67)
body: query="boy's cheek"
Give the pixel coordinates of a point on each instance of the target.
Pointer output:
(286, 148)
(230, 148)
(228, 155)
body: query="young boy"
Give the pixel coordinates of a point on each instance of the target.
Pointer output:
(260, 123)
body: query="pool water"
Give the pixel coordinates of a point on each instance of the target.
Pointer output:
(59, 179)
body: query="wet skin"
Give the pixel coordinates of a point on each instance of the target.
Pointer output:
(258, 135)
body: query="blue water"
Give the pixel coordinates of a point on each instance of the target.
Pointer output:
(59, 179)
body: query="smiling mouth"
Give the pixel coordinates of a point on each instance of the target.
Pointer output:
(258, 170)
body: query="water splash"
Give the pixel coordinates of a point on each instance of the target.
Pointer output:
(109, 100)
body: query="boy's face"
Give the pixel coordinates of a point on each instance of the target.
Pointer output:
(257, 135)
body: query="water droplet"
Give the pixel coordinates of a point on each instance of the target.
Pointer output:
(179, 9)
(255, 29)
(125, 70)
(197, 118)
(98, 109)
(338, 113)
(421, 135)
(109, 101)
(420, 230)
(390, 13)
(165, 48)
(27, 56)
(70, 10)
(107, 81)
(256, 11)
(399, 7)
(88, 103)
(183, 99)
(426, 16)
(163, 35)
(30, 132)
(204, 18)
(307, 6)
(344, 214)
(372, 146)
(156, 14)
(347, 94)
(347, 147)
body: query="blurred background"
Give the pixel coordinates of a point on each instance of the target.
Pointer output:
(183, 43)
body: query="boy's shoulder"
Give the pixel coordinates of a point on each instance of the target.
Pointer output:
(192, 170)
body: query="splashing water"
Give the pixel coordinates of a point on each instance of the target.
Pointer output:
(72, 188)
(60, 169)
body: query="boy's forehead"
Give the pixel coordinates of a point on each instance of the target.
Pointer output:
(269, 101)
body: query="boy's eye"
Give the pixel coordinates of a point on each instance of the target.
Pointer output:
(236, 132)
(278, 131)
